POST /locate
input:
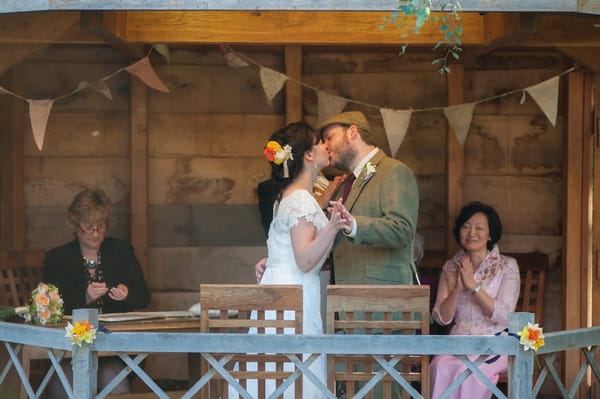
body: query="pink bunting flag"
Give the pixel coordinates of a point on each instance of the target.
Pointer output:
(39, 110)
(143, 70)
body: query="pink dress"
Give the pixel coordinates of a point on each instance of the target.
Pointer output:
(499, 277)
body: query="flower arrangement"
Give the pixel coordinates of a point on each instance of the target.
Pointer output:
(81, 332)
(45, 306)
(370, 170)
(278, 155)
(532, 337)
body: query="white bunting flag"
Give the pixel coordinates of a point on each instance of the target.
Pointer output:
(395, 123)
(163, 50)
(460, 117)
(39, 110)
(330, 105)
(545, 95)
(272, 82)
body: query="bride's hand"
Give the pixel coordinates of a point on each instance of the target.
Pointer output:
(343, 218)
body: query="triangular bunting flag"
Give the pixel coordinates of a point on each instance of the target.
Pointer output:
(272, 82)
(3, 90)
(395, 123)
(460, 117)
(545, 95)
(39, 110)
(164, 51)
(100, 86)
(143, 70)
(330, 105)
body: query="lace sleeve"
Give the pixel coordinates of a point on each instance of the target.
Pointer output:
(301, 205)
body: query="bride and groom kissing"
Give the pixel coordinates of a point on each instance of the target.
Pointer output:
(371, 225)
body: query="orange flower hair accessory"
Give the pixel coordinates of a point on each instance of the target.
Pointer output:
(532, 337)
(279, 155)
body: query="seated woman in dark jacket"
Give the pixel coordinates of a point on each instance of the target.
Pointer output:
(93, 271)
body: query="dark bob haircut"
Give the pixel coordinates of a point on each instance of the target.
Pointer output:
(493, 221)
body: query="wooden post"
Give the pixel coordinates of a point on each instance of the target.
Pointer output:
(139, 171)
(12, 191)
(520, 368)
(293, 89)
(455, 158)
(85, 361)
(572, 261)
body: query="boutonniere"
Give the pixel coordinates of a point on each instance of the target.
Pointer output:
(370, 170)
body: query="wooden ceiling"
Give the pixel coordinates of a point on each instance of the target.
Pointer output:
(22, 33)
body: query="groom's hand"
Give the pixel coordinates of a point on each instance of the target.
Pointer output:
(259, 269)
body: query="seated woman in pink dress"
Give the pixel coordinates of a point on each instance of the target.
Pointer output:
(478, 288)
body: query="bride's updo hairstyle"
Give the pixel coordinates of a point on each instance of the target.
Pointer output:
(300, 137)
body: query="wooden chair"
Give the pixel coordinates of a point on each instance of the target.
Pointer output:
(377, 309)
(20, 273)
(257, 306)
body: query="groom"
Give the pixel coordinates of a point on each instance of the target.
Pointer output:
(383, 198)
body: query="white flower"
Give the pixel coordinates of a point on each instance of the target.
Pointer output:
(370, 170)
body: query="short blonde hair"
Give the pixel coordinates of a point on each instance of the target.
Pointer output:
(89, 206)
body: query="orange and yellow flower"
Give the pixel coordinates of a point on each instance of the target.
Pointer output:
(81, 332)
(277, 154)
(532, 337)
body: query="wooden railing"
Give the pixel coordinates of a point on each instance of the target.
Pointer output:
(124, 344)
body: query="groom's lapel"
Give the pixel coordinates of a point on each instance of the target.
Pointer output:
(361, 182)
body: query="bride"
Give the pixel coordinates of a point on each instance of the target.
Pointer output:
(300, 235)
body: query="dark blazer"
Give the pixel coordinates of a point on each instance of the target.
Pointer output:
(385, 205)
(266, 198)
(63, 267)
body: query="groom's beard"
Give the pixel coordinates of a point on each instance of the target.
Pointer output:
(344, 156)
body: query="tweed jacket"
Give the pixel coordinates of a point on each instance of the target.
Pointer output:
(385, 204)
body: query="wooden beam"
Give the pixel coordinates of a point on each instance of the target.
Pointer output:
(293, 89)
(139, 171)
(455, 158)
(12, 154)
(43, 27)
(279, 27)
(92, 21)
(585, 56)
(572, 223)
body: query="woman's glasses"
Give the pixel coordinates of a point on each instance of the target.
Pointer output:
(91, 229)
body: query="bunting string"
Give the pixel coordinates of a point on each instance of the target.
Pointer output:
(39, 109)
(396, 122)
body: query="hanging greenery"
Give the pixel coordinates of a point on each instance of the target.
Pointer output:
(412, 15)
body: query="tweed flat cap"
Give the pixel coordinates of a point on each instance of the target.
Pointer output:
(346, 118)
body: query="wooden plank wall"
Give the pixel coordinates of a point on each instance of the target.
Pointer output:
(205, 140)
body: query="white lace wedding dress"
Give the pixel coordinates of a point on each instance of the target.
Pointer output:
(282, 269)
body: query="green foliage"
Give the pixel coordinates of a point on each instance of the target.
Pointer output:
(412, 15)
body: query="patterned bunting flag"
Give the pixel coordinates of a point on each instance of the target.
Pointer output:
(330, 105)
(272, 82)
